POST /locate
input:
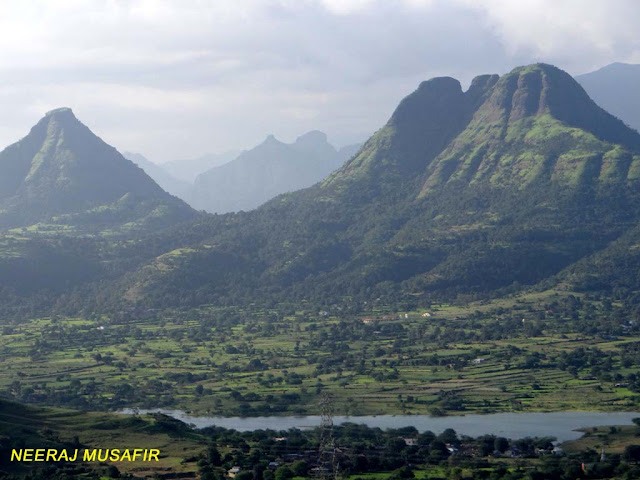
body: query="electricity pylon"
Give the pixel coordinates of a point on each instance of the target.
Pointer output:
(327, 464)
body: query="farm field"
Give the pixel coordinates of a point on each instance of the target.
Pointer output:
(538, 352)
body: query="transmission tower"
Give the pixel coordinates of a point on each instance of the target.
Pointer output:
(327, 464)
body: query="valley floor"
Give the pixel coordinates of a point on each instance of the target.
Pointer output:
(551, 351)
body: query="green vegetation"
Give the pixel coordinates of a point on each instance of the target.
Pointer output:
(507, 213)
(28, 427)
(520, 184)
(530, 353)
(61, 176)
(360, 452)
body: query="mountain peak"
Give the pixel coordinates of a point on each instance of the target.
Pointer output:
(314, 137)
(61, 168)
(62, 115)
(537, 125)
(431, 95)
(614, 68)
(59, 120)
(61, 111)
(525, 92)
(441, 85)
(615, 87)
(422, 125)
(542, 89)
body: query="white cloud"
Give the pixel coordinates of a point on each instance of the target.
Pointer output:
(343, 7)
(178, 78)
(583, 33)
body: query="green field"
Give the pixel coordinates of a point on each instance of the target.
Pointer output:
(539, 352)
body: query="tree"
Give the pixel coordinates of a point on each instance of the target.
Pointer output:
(632, 453)
(246, 475)
(437, 451)
(426, 438)
(396, 445)
(300, 468)
(283, 473)
(214, 456)
(402, 473)
(113, 471)
(449, 436)
(501, 444)
(268, 475)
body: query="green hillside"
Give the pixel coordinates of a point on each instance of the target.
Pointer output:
(470, 193)
(62, 174)
(520, 182)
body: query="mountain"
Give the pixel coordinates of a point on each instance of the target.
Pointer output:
(271, 168)
(187, 170)
(61, 173)
(348, 151)
(522, 180)
(616, 87)
(168, 182)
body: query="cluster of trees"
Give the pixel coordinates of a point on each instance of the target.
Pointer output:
(385, 346)
(270, 455)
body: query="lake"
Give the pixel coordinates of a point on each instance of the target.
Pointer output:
(562, 425)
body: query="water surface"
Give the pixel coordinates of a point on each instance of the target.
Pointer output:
(562, 425)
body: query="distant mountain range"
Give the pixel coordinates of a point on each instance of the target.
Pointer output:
(63, 174)
(616, 88)
(173, 185)
(187, 170)
(522, 181)
(255, 176)
(234, 180)
(266, 171)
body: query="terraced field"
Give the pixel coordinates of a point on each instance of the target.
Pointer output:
(522, 354)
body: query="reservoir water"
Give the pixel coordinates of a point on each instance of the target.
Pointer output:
(562, 425)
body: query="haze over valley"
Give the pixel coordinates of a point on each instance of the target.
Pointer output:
(232, 182)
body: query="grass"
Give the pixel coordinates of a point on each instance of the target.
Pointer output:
(613, 439)
(382, 368)
(62, 428)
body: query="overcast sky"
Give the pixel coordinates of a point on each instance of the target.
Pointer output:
(173, 80)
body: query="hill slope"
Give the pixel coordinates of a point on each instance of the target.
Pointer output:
(616, 88)
(62, 173)
(520, 181)
(466, 193)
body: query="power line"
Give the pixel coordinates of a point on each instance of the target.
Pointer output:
(327, 465)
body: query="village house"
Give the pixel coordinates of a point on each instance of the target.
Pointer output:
(233, 471)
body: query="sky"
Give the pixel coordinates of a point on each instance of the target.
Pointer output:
(176, 79)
